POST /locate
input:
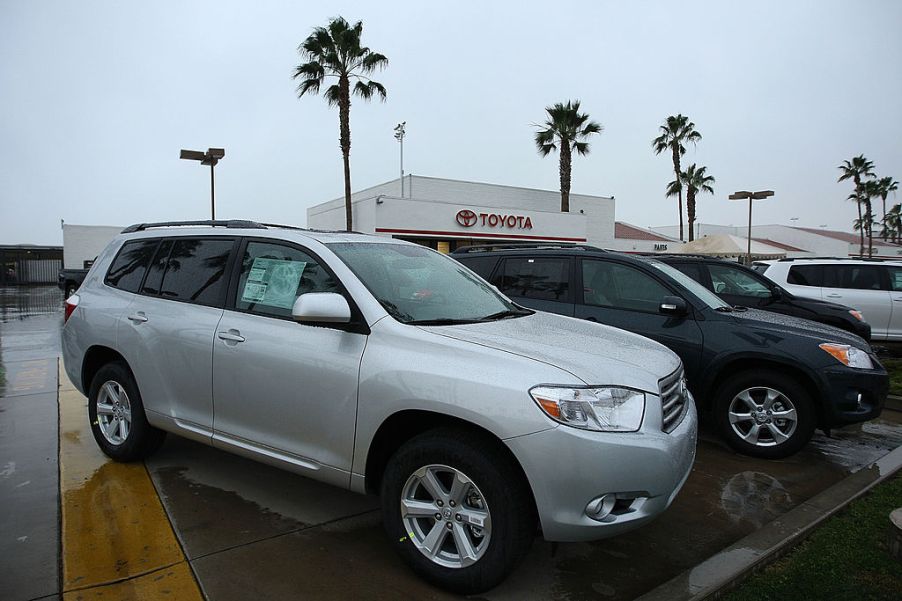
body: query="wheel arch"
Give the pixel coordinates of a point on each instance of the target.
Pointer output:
(96, 357)
(402, 426)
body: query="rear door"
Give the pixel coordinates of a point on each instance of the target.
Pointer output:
(283, 388)
(864, 287)
(167, 332)
(627, 297)
(894, 275)
(543, 283)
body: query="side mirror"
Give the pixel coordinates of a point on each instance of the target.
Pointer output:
(673, 305)
(321, 307)
(776, 293)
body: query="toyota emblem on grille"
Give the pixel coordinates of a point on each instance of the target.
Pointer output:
(466, 218)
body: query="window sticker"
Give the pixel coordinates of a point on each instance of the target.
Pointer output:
(273, 282)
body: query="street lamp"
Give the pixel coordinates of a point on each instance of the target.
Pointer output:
(742, 195)
(399, 136)
(211, 157)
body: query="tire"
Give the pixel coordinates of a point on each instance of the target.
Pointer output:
(770, 391)
(120, 428)
(494, 494)
(70, 289)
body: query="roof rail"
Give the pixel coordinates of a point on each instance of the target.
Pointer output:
(474, 248)
(231, 224)
(872, 259)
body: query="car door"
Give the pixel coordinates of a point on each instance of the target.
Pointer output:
(627, 297)
(541, 283)
(167, 331)
(282, 389)
(894, 276)
(864, 287)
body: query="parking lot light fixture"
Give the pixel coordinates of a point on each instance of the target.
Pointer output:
(745, 194)
(211, 157)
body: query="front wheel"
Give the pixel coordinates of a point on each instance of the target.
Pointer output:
(764, 414)
(457, 509)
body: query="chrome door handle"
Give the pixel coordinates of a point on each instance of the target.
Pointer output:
(231, 336)
(138, 317)
(834, 296)
(898, 300)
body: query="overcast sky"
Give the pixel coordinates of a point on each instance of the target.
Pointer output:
(97, 98)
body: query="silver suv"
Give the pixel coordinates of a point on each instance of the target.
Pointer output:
(382, 367)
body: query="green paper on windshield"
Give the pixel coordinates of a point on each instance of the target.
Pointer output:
(273, 282)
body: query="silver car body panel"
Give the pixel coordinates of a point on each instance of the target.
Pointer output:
(311, 399)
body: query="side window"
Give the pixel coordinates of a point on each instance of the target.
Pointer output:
(618, 286)
(895, 278)
(130, 265)
(693, 270)
(157, 267)
(481, 265)
(541, 278)
(195, 270)
(729, 280)
(806, 275)
(856, 277)
(274, 275)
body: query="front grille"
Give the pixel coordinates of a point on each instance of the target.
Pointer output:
(673, 400)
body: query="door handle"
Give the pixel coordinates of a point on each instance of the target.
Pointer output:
(231, 336)
(898, 300)
(138, 317)
(834, 296)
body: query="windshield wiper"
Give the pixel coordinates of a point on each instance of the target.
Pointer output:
(507, 313)
(724, 309)
(441, 321)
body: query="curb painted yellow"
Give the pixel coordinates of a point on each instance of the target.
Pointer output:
(117, 542)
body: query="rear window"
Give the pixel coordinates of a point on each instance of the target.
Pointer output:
(855, 277)
(130, 265)
(195, 270)
(540, 278)
(693, 270)
(806, 275)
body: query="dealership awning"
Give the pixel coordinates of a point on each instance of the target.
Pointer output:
(729, 246)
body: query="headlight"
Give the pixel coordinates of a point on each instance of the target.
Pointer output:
(606, 409)
(849, 355)
(856, 314)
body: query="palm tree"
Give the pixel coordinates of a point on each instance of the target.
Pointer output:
(856, 169)
(335, 51)
(675, 133)
(696, 180)
(893, 222)
(870, 190)
(885, 186)
(565, 130)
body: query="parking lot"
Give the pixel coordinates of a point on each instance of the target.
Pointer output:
(248, 531)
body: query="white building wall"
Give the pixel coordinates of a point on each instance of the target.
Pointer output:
(630, 245)
(84, 242)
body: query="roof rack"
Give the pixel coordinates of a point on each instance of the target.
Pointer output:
(231, 224)
(474, 248)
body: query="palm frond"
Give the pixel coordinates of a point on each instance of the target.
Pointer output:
(366, 90)
(333, 95)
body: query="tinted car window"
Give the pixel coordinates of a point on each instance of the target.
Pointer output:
(540, 278)
(693, 270)
(608, 284)
(895, 278)
(481, 265)
(195, 270)
(856, 277)
(729, 280)
(274, 275)
(157, 267)
(130, 265)
(806, 275)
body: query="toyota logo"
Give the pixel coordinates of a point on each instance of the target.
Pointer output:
(466, 218)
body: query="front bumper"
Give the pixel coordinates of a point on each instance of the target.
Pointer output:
(852, 395)
(568, 468)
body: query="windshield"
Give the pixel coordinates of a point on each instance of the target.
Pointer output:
(703, 294)
(417, 285)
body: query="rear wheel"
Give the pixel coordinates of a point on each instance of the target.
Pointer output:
(764, 414)
(117, 416)
(457, 509)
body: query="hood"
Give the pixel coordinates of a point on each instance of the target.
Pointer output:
(594, 353)
(796, 325)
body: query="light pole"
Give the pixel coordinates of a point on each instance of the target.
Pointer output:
(742, 195)
(211, 157)
(399, 136)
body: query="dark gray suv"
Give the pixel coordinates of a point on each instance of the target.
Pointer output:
(767, 379)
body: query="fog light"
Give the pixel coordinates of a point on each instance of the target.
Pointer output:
(600, 507)
(859, 400)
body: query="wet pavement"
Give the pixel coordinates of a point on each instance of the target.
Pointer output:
(251, 531)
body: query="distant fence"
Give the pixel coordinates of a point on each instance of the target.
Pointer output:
(39, 271)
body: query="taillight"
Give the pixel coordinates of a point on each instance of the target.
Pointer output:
(71, 303)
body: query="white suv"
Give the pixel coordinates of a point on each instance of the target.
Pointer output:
(873, 287)
(384, 367)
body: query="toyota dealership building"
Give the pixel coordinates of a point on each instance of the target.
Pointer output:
(445, 214)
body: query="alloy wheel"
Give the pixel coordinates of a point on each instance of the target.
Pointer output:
(114, 412)
(763, 416)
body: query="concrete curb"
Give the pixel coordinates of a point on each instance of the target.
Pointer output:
(729, 567)
(894, 402)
